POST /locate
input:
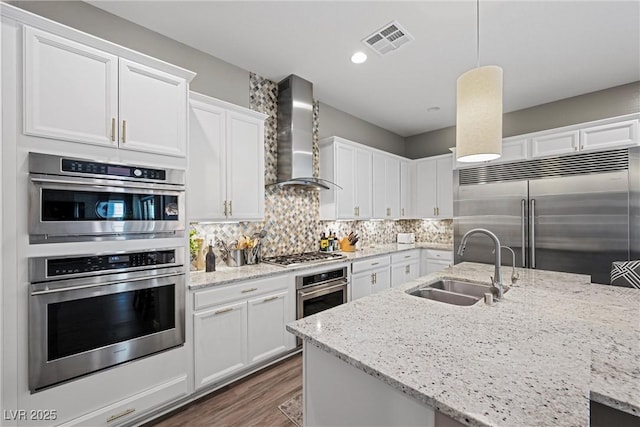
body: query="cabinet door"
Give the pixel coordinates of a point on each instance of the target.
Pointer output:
(207, 166)
(554, 144)
(393, 187)
(445, 187)
(345, 163)
(381, 279)
(426, 193)
(363, 191)
(153, 110)
(245, 167)
(402, 273)
(379, 186)
(361, 285)
(407, 183)
(70, 90)
(220, 342)
(611, 135)
(268, 316)
(434, 266)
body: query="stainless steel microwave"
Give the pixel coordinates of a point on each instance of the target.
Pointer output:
(82, 200)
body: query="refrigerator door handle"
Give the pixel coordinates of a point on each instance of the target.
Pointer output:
(532, 236)
(523, 231)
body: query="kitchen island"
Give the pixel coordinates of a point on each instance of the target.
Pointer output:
(537, 358)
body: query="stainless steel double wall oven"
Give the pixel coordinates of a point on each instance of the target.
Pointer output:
(95, 310)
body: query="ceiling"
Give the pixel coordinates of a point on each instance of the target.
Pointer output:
(549, 50)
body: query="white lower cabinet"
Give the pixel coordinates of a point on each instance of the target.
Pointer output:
(246, 327)
(128, 409)
(434, 260)
(267, 319)
(370, 276)
(221, 342)
(405, 266)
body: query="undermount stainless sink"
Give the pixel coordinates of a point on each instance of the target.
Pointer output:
(452, 291)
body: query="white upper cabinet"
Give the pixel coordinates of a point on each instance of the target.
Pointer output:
(407, 188)
(226, 161)
(71, 90)
(386, 186)
(153, 110)
(554, 144)
(434, 187)
(609, 135)
(350, 166)
(77, 93)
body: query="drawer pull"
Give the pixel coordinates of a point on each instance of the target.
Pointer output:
(375, 263)
(244, 291)
(270, 299)
(407, 256)
(123, 414)
(224, 310)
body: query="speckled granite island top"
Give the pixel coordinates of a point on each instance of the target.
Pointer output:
(534, 359)
(226, 275)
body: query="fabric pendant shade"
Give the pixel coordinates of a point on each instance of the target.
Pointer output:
(479, 115)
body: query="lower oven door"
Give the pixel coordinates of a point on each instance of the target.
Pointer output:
(82, 329)
(63, 208)
(319, 298)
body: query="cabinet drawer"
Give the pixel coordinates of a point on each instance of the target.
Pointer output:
(439, 255)
(134, 406)
(404, 256)
(211, 297)
(368, 264)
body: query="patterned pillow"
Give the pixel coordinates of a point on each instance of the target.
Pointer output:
(626, 273)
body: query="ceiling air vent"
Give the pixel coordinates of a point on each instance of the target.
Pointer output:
(388, 38)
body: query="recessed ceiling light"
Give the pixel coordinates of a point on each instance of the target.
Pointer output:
(358, 57)
(433, 109)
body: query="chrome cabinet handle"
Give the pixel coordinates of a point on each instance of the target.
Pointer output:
(355, 211)
(402, 211)
(375, 263)
(244, 291)
(523, 234)
(120, 415)
(225, 208)
(113, 129)
(224, 310)
(532, 237)
(124, 131)
(270, 299)
(230, 207)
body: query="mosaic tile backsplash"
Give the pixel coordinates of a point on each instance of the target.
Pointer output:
(292, 214)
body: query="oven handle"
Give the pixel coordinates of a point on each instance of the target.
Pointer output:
(324, 289)
(96, 285)
(105, 183)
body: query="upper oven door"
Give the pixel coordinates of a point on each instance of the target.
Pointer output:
(74, 206)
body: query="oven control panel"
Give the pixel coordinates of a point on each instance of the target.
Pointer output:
(95, 168)
(97, 263)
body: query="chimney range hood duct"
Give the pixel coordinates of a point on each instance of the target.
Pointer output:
(295, 135)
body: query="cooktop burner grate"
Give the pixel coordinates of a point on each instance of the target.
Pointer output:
(302, 258)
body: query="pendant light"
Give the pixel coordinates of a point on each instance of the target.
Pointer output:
(479, 110)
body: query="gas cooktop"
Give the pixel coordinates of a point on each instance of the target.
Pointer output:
(302, 258)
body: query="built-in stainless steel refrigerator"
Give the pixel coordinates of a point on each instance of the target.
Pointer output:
(572, 213)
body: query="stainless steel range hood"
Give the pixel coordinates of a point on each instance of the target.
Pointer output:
(295, 135)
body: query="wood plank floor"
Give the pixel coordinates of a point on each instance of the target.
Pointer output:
(252, 401)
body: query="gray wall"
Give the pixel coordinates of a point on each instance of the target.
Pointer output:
(615, 101)
(333, 122)
(215, 77)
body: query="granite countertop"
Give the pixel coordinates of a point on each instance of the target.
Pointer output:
(534, 359)
(226, 275)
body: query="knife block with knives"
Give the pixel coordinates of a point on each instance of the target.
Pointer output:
(348, 244)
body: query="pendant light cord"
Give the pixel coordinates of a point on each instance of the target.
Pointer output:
(478, 33)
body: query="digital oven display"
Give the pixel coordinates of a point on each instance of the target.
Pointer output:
(119, 171)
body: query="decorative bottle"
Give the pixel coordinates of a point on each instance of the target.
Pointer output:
(210, 262)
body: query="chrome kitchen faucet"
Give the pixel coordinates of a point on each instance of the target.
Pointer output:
(496, 280)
